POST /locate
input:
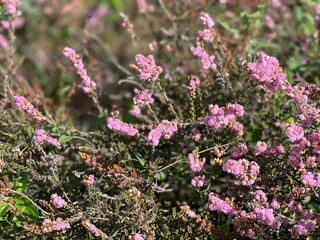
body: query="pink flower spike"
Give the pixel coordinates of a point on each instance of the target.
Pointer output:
(147, 69)
(88, 85)
(206, 20)
(22, 103)
(121, 127)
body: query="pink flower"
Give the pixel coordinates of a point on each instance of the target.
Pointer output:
(206, 20)
(195, 163)
(294, 132)
(199, 181)
(260, 148)
(138, 236)
(194, 82)
(266, 216)
(118, 126)
(92, 228)
(143, 97)
(11, 6)
(135, 111)
(240, 151)
(48, 225)
(88, 85)
(165, 129)
(89, 180)
(217, 204)
(225, 117)
(269, 21)
(206, 60)
(147, 68)
(22, 103)
(40, 136)
(244, 170)
(57, 201)
(267, 73)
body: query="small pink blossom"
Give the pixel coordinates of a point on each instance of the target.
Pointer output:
(294, 132)
(57, 201)
(206, 20)
(195, 162)
(143, 97)
(22, 103)
(165, 129)
(147, 69)
(39, 136)
(59, 224)
(135, 111)
(261, 147)
(89, 180)
(88, 85)
(205, 58)
(121, 127)
(199, 181)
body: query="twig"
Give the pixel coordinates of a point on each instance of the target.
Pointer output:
(25, 196)
(170, 165)
(153, 113)
(167, 100)
(208, 149)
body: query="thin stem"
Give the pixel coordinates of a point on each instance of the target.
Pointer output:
(25, 196)
(153, 113)
(96, 102)
(170, 165)
(167, 100)
(208, 149)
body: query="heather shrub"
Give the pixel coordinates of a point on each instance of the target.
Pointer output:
(115, 125)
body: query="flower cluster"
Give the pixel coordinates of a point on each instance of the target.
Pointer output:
(217, 204)
(206, 20)
(225, 117)
(88, 85)
(243, 169)
(117, 125)
(266, 216)
(240, 151)
(309, 179)
(194, 82)
(301, 95)
(136, 236)
(294, 132)
(57, 201)
(11, 6)
(205, 59)
(165, 129)
(93, 229)
(268, 74)
(135, 111)
(59, 224)
(147, 68)
(143, 97)
(207, 33)
(25, 105)
(195, 162)
(199, 181)
(40, 136)
(261, 147)
(89, 180)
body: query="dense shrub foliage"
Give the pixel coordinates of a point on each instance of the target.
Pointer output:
(187, 119)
